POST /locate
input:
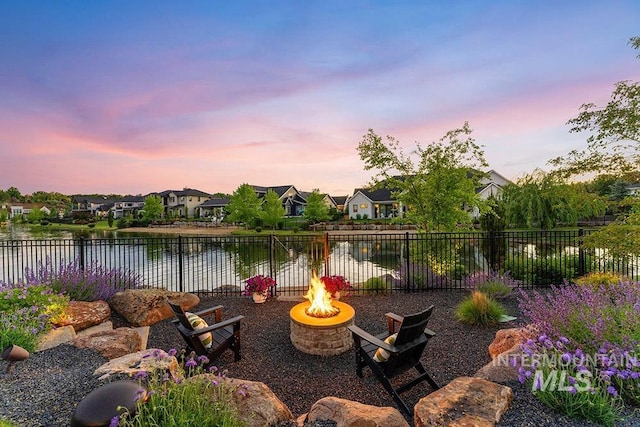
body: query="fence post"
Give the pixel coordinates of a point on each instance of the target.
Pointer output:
(180, 277)
(82, 255)
(406, 251)
(326, 253)
(581, 257)
(493, 250)
(272, 248)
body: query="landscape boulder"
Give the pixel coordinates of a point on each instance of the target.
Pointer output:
(504, 367)
(111, 344)
(506, 339)
(84, 314)
(145, 307)
(257, 405)
(465, 401)
(141, 361)
(347, 413)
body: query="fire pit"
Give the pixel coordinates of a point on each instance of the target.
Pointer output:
(319, 325)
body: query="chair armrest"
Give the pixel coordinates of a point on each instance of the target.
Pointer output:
(208, 310)
(216, 326)
(372, 339)
(393, 320)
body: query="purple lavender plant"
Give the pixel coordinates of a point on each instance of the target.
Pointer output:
(92, 283)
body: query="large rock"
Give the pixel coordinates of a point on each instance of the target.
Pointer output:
(55, 337)
(145, 360)
(84, 314)
(506, 339)
(111, 344)
(257, 405)
(465, 401)
(144, 307)
(504, 367)
(347, 413)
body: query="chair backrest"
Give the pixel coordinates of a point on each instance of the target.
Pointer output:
(180, 314)
(413, 326)
(411, 332)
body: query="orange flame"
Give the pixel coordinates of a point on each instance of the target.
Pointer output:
(320, 299)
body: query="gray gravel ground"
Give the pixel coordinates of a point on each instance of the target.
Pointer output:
(45, 389)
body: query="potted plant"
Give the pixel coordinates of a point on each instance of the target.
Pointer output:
(258, 287)
(335, 285)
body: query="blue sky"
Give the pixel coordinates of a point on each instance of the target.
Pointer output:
(140, 96)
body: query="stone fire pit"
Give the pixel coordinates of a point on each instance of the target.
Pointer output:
(325, 336)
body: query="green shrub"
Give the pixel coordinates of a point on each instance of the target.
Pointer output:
(480, 310)
(542, 271)
(598, 278)
(376, 286)
(7, 423)
(258, 229)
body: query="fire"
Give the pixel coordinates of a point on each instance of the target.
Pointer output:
(320, 299)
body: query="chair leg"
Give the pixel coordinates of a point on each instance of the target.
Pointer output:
(236, 349)
(359, 362)
(420, 368)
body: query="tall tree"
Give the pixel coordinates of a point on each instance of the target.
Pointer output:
(614, 143)
(272, 210)
(316, 210)
(153, 208)
(244, 205)
(440, 187)
(544, 200)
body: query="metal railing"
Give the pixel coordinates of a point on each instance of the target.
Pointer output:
(404, 262)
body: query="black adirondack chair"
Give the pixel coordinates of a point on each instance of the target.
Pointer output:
(225, 333)
(403, 354)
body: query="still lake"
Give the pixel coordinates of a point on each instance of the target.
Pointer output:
(198, 263)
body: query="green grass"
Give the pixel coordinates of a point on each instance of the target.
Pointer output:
(99, 225)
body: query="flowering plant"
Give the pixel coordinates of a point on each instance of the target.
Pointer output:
(258, 284)
(335, 284)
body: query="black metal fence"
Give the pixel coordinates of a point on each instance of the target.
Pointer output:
(373, 263)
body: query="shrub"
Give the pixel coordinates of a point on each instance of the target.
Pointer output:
(376, 286)
(7, 423)
(495, 285)
(92, 283)
(600, 278)
(580, 394)
(600, 323)
(27, 311)
(419, 276)
(201, 400)
(479, 310)
(542, 271)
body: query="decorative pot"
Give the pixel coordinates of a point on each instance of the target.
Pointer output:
(259, 297)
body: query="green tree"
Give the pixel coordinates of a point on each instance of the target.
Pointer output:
(14, 194)
(614, 143)
(244, 205)
(316, 210)
(110, 219)
(440, 187)
(619, 238)
(152, 208)
(544, 200)
(272, 210)
(35, 215)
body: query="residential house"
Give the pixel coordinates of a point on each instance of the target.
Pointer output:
(128, 206)
(89, 206)
(183, 203)
(25, 209)
(214, 209)
(292, 199)
(379, 203)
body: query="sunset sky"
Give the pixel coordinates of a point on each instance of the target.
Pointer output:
(132, 97)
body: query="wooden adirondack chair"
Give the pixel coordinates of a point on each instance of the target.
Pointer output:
(225, 334)
(401, 355)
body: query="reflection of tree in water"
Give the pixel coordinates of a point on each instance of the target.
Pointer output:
(248, 256)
